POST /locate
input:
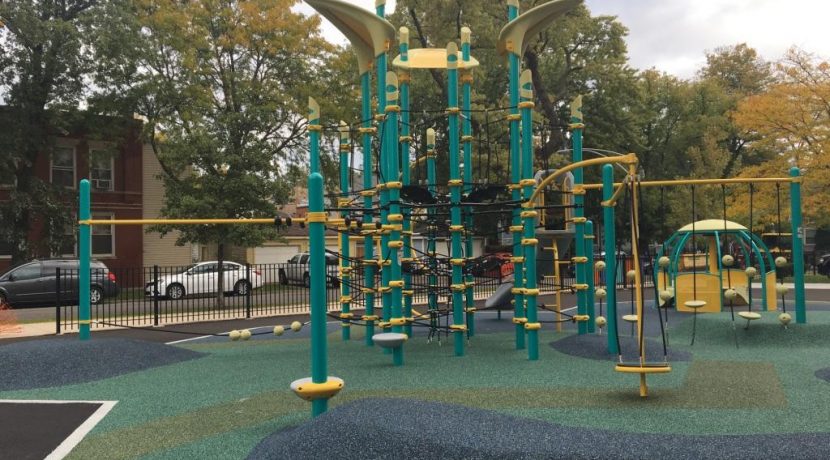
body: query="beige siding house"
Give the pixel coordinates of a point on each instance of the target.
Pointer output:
(160, 250)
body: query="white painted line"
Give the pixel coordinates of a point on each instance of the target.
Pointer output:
(83, 429)
(190, 339)
(80, 433)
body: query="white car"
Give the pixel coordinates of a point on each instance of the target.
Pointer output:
(203, 278)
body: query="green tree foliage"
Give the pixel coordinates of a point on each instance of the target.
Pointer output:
(48, 55)
(225, 84)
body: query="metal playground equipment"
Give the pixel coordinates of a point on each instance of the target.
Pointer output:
(385, 211)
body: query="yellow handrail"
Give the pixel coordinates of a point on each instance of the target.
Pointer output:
(734, 180)
(629, 159)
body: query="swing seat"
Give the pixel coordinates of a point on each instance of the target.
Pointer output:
(749, 315)
(630, 318)
(695, 303)
(636, 367)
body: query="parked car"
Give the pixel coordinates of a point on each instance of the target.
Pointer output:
(824, 265)
(493, 265)
(296, 270)
(203, 278)
(36, 283)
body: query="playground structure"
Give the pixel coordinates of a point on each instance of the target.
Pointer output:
(384, 213)
(709, 276)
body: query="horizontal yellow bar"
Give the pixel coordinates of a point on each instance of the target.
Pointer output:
(680, 182)
(267, 221)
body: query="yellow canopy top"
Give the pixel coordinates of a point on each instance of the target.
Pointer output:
(530, 23)
(431, 58)
(370, 34)
(713, 225)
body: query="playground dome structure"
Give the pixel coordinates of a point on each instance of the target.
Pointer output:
(708, 259)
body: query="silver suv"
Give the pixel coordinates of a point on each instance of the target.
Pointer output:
(296, 270)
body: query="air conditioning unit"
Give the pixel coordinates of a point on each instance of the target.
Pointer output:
(102, 184)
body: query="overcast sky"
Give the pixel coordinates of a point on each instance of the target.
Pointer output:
(673, 35)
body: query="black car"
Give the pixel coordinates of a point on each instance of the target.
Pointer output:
(824, 265)
(35, 283)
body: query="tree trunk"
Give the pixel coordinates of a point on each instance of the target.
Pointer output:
(220, 280)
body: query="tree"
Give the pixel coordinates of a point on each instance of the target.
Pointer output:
(47, 54)
(792, 119)
(224, 85)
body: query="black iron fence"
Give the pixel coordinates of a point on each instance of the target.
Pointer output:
(153, 296)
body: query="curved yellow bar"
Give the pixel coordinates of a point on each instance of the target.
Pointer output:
(629, 159)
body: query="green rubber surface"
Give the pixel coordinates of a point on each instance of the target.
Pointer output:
(222, 405)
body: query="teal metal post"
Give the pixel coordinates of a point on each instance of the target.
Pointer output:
(368, 193)
(528, 215)
(589, 270)
(456, 184)
(317, 260)
(395, 218)
(798, 246)
(515, 176)
(576, 127)
(84, 281)
(610, 255)
(405, 140)
(345, 262)
(383, 167)
(467, 140)
(433, 190)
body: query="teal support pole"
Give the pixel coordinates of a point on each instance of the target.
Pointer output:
(368, 240)
(589, 269)
(317, 261)
(456, 185)
(317, 266)
(345, 250)
(467, 140)
(579, 215)
(385, 177)
(528, 215)
(610, 256)
(84, 250)
(406, 139)
(432, 186)
(515, 178)
(798, 246)
(394, 218)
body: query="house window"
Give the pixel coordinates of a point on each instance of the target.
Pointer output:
(63, 167)
(100, 170)
(69, 246)
(103, 237)
(5, 249)
(7, 172)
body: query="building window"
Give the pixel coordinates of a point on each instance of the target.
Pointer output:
(100, 170)
(5, 249)
(63, 167)
(103, 237)
(8, 179)
(69, 246)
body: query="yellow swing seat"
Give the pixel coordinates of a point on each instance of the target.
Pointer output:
(749, 315)
(637, 367)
